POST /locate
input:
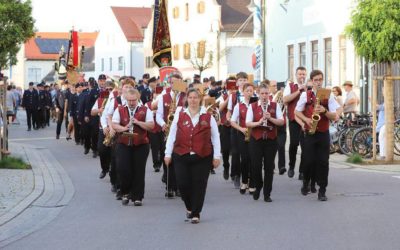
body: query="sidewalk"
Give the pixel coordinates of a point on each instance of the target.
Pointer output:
(341, 159)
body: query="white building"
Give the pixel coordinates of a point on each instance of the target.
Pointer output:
(212, 24)
(310, 33)
(119, 47)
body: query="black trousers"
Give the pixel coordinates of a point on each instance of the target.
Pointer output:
(235, 165)
(316, 158)
(104, 153)
(245, 162)
(131, 167)
(263, 153)
(77, 130)
(296, 139)
(90, 135)
(47, 116)
(60, 118)
(170, 183)
(225, 138)
(281, 147)
(40, 118)
(31, 118)
(156, 141)
(192, 174)
(114, 177)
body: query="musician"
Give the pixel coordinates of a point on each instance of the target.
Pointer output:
(193, 143)
(147, 93)
(276, 96)
(98, 110)
(132, 147)
(163, 112)
(236, 97)
(263, 117)
(291, 95)
(238, 122)
(316, 146)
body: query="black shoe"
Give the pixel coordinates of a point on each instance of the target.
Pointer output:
(322, 196)
(226, 173)
(212, 171)
(102, 174)
(29, 129)
(305, 189)
(236, 182)
(282, 171)
(290, 173)
(95, 154)
(86, 151)
(256, 194)
(189, 215)
(156, 168)
(137, 203)
(118, 196)
(267, 199)
(164, 178)
(57, 137)
(113, 189)
(170, 194)
(301, 176)
(313, 189)
(125, 199)
(68, 138)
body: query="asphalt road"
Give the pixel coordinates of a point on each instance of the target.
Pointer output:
(362, 211)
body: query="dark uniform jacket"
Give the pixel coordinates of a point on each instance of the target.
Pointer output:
(30, 99)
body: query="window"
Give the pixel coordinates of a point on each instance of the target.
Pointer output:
(186, 51)
(102, 64)
(187, 12)
(175, 12)
(290, 62)
(34, 74)
(302, 59)
(201, 49)
(201, 7)
(110, 63)
(342, 59)
(314, 54)
(176, 52)
(120, 63)
(328, 61)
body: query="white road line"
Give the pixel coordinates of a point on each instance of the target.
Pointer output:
(396, 176)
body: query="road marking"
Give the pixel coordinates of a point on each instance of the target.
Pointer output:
(398, 176)
(34, 139)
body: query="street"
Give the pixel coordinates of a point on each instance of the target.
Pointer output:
(361, 211)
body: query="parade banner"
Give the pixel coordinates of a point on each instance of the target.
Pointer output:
(156, 15)
(165, 75)
(162, 39)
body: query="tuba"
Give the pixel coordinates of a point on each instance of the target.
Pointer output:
(315, 117)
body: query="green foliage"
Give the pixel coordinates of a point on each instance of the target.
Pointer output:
(16, 27)
(13, 163)
(355, 158)
(375, 30)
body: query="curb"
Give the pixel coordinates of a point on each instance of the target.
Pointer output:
(53, 189)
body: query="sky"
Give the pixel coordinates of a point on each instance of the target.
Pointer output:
(84, 15)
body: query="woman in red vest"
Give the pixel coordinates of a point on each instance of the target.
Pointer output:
(263, 117)
(238, 121)
(132, 121)
(193, 143)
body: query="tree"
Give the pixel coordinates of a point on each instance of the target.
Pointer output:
(375, 31)
(200, 58)
(16, 27)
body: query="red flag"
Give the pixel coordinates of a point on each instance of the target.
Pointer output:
(75, 49)
(162, 39)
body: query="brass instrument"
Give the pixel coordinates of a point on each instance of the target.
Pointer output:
(108, 139)
(213, 109)
(315, 118)
(278, 98)
(247, 135)
(171, 113)
(130, 124)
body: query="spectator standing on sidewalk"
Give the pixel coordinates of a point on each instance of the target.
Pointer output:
(10, 104)
(351, 101)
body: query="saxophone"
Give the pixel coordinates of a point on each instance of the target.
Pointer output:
(247, 135)
(171, 113)
(214, 111)
(315, 117)
(108, 139)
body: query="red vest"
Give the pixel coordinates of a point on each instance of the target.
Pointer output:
(260, 131)
(293, 103)
(140, 136)
(167, 102)
(157, 127)
(193, 139)
(242, 115)
(104, 94)
(224, 121)
(323, 124)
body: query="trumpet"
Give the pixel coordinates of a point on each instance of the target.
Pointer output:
(315, 118)
(130, 124)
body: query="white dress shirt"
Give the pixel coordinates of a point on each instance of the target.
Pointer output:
(249, 114)
(117, 119)
(230, 100)
(236, 112)
(332, 103)
(286, 90)
(215, 140)
(160, 107)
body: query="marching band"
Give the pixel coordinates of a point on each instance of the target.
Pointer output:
(242, 129)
